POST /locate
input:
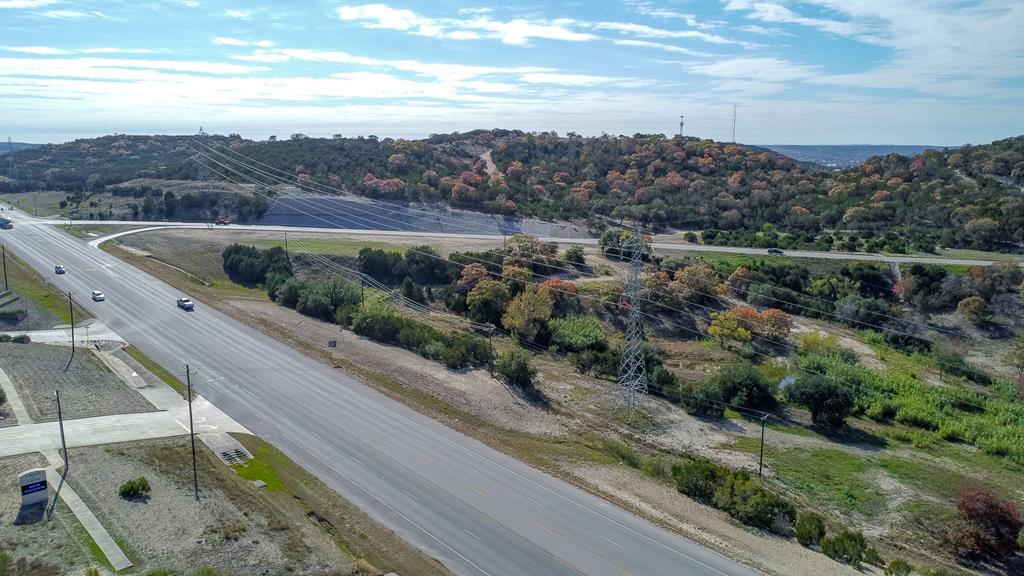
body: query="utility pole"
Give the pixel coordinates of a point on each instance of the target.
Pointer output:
(632, 370)
(681, 125)
(6, 287)
(71, 307)
(760, 460)
(60, 421)
(192, 433)
(286, 244)
(733, 123)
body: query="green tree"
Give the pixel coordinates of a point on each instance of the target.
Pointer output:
(745, 385)
(427, 267)
(829, 401)
(725, 326)
(487, 301)
(575, 256)
(529, 312)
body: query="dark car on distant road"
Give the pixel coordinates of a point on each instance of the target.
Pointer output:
(775, 251)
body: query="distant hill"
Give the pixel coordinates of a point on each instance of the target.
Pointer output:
(739, 195)
(844, 156)
(6, 147)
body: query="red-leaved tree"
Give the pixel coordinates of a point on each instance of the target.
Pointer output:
(988, 527)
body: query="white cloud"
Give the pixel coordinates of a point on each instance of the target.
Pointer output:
(92, 67)
(224, 41)
(518, 31)
(239, 14)
(567, 79)
(777, 13)
(764, 69)
(645, 31)
(41, 50)
(755, 29)
(26, 3)
(660, 46)
(109, 50)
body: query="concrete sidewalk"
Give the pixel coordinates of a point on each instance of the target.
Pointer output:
(86, 518)
(42, 436)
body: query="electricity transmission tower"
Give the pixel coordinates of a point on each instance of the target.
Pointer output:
(632, 371)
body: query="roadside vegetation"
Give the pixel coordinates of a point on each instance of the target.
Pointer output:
(873, 395)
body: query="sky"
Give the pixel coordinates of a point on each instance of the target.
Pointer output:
(939, 72)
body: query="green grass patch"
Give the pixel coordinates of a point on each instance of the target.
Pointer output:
(157, 370)
(323, 246)
(258, 468)
(926, 476)
(830, 477)
(36, 203)
(32, 285)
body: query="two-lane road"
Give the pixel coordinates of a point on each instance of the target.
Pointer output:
(477, 510)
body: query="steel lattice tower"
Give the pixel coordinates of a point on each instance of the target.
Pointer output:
(632, 371)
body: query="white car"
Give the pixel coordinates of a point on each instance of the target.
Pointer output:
(58, 269)
(98, 296)
(186, 304)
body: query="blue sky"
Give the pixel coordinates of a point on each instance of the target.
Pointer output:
(810, 71)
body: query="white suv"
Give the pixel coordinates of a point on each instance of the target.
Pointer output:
(186, 304)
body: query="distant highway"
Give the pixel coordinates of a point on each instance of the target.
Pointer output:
(478, 511)
(674, 246)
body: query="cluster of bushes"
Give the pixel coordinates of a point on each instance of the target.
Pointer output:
(989, 528)
(736, 493)
(330, 299)
(458, 350)
(135, 488)
(847, 546)
(740, 384)
(252, 266)
(19, 339)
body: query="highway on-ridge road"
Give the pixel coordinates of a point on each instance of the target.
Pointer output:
(675, 246)
(473, 508)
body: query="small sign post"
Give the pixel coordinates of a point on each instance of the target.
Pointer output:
(34, 489)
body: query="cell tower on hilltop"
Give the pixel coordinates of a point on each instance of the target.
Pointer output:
(632, 371)
(681, 125)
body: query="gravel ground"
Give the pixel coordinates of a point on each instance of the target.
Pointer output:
(473, 391)
(232, 528)
(37, 318)
(88, 388)
(59, 541)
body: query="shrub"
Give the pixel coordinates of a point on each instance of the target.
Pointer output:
(810, 529)
(744, 385)
(899, 567)
(92, 571)
(514, 368)
(829, 401)
(847, 547)
(22, 339)
(250, 265)
(621, 451)
(5, 337)
(288, 292)
(596, 362)
(871, 556)
(386, 266)
(574, 255)
(698, 478)
(989, 527)
(746, 500)
(464, 350)
(704, 400)
(137, 488)
(12, 316)
(578, 333)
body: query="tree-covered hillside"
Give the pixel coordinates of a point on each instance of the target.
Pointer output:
(733, 194)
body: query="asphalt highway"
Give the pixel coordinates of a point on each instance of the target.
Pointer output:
(471, 507)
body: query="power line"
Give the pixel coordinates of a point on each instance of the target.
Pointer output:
(882, 328)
